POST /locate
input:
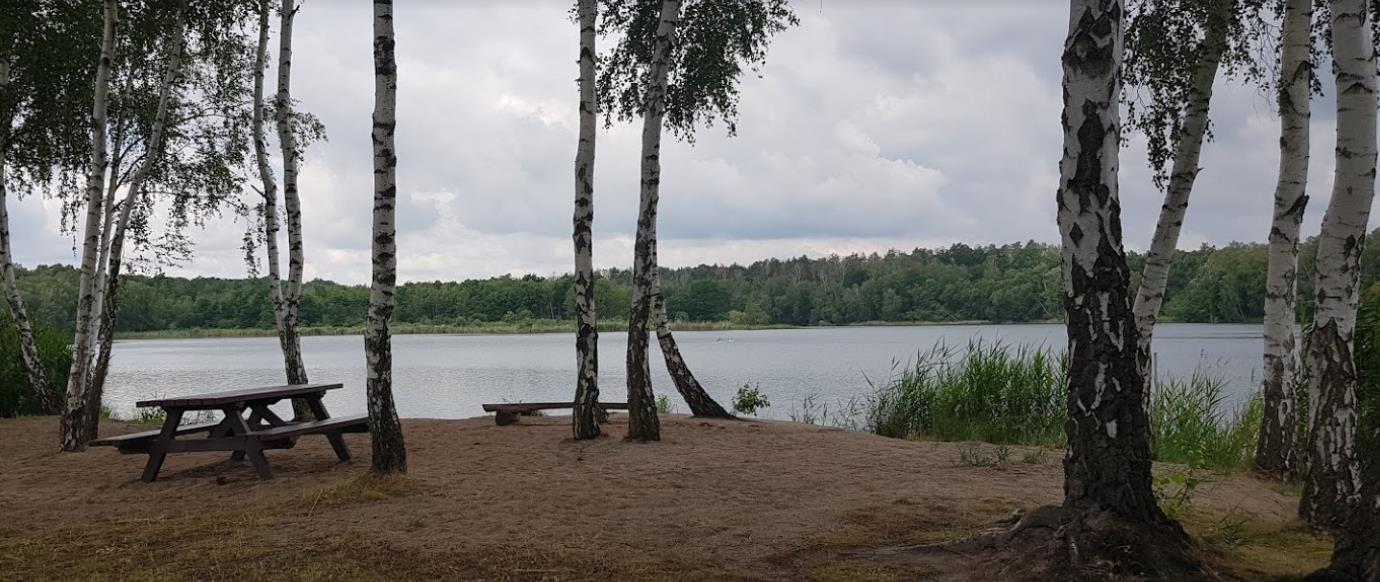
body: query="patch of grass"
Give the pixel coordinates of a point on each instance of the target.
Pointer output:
(663, 405)
(367, 488)
(1001, 394)
(1190, 427)
(1246, 548)
(987, 392)
(975, 455)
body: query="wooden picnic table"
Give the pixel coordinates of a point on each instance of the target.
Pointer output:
(242, 436)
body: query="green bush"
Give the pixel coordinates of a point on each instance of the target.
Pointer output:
(989, 392)
(1016, 395)
(749, 399)
(16, 394)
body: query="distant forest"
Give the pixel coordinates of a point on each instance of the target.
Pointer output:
(1007, 283)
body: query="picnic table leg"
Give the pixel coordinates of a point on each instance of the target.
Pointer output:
(252, 448)
(159, 449)
(238, 456)
(318, 409)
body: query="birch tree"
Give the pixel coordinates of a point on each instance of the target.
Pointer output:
(174, 118)
(44, 79)
(1176, 50)
(390, 456)
(287, 310)
(1332, 476)
(1109, 514)
(76, 428)
(1276, 451)
(294, 131)
(680, 84)
(585, 418)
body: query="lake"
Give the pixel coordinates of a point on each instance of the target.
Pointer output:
(449, 376)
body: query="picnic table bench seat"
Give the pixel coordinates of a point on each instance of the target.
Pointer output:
(507, 413)
(136, 441)
(339, 424)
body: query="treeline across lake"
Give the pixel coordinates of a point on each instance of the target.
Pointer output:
(1006, 283)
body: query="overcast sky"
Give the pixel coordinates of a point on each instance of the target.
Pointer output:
(876, 124)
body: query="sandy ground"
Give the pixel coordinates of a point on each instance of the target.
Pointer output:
(714, 500)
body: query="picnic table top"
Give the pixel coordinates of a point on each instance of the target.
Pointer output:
(237, 396)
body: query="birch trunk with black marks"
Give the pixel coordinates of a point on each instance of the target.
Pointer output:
(1332, 476)
(1356, 555)
(1107, 466)
(269, 191)
(585, 418)
(290, 336)
(643, 424)
(28, 345)
(107, 232)
(389, 453)
(1276, 454)
(76, 429)
(1187, 150)
(700, 402)
(153, 152)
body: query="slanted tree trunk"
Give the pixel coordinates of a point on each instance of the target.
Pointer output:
(700, 402)
(290, 336)
(28, 345)
(1276, 451)
(153, 152)
(390, 456)
(76, 428)
(643, 424)
(1332, 476)
(585, 418)
(1184, 172)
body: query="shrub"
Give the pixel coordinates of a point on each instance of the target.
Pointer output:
(749, 399)
(17, 396)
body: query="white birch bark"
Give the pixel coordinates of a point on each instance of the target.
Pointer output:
(153, 152)
(1107, 464)
(292, 296)
(700, 402)
(585, 418)
(1332, 475)
(1276, 450)
(269, 189)
(28, 344)
(76, 430)
(643, 424)
(389, 452)
(1183, 173)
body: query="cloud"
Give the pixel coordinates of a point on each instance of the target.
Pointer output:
(874, 125)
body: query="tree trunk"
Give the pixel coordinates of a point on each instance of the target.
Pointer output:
(1184, 172)
(286, 341)
(48, 401)
(585, 418)
(290, 337)
(153, 152)
(1332, 477)
(643, 424)
(1107, 467)
(390, 456)
(1276, 451)
(701, 403)
(1357, 553)
(77, 430)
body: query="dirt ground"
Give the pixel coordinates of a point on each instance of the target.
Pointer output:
(744, 500)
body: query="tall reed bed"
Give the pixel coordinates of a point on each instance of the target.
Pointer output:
(1005, 394)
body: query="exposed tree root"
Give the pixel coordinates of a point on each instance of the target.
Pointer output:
(1057, 543)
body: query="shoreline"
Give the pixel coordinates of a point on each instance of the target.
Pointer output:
(555, 326)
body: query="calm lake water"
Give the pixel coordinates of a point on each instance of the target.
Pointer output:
(449, 376)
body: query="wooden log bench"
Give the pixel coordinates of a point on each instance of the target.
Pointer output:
(508, 412)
